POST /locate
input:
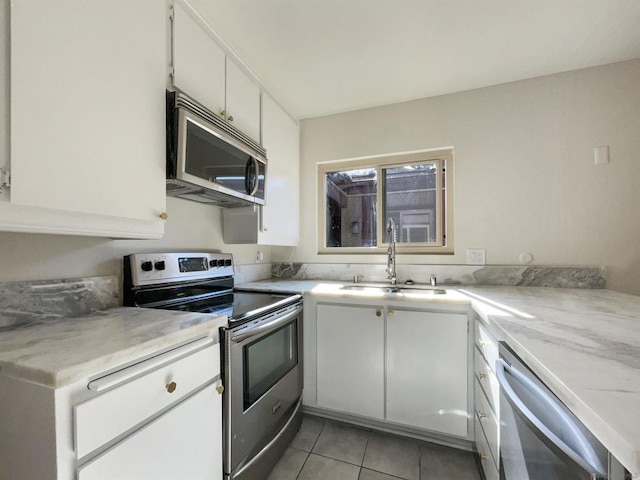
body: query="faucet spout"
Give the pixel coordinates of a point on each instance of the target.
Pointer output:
(392, 234)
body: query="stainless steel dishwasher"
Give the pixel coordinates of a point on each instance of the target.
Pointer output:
(540, 439)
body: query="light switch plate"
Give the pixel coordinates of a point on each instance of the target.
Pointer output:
(476, 256)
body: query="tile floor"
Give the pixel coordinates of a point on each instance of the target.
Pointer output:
(328, 450)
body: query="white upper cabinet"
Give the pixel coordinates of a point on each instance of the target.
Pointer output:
(277, 222)
(198, 62)
(281, 138)
(203, 71)
(243, 101)
(87, 118)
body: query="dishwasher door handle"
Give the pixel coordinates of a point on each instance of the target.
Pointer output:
(538, 427)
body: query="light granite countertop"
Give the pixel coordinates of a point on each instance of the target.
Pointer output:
(58, 352)
(583, 343)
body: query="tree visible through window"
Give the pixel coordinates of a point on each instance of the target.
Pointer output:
(414, 189)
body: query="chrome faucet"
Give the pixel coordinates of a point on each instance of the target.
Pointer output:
(392, 234)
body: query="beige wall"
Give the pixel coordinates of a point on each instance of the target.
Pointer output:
(525, 179)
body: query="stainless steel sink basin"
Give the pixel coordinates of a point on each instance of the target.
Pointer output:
(401, 289)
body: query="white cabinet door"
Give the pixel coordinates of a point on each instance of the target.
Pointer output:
(198, 62)
(87, 118)
(278, 222)
(185, 442)
(427, 370)
(281, 138)
(243, 101)
(350, 356)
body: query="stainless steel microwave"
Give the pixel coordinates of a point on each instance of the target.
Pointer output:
(209, 160)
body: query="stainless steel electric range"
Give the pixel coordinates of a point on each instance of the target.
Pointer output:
(261, 354)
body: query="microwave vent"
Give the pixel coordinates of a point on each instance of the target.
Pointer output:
(197, 194)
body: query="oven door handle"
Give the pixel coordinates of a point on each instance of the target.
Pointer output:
(587, 459)
(264, 328)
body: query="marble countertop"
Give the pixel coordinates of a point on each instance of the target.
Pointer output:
(583, 343)
(57, 352)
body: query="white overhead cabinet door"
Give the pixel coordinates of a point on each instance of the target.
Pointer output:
(243, 101)
(198, 62)
(281, 138)
(87, 117)
(203, 71)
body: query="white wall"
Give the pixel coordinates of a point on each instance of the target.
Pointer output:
(191, 227)
(525, 178)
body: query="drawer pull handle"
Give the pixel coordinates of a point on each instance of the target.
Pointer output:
(220, 389)
(482, 415)
(378, 313)
(482, 375)
(481, 343)
(390, 314)
(171, 387)
(483, 456)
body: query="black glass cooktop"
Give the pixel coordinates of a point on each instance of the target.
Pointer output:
(238, 306)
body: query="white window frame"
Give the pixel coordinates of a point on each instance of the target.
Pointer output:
(444, 244)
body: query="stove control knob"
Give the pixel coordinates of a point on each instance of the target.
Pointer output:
(212, 263)
(159, 265)
(221, 263)
(227, 262)
(146, 266)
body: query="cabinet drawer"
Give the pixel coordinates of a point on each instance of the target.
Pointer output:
(486, 458)
(103, 418)
(488, 422)
(487, 344)
(488, 380)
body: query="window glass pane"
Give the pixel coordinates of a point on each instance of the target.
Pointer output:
(410, 199)
(351, 208)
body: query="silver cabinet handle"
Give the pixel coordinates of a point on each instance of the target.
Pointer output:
(585, 458)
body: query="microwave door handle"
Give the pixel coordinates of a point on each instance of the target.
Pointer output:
(251, 177)
(538, 427)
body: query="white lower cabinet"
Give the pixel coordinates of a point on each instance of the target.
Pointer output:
(427, 370)
(351, 359)
(179, 444)
(403, 366)
(487, 401)
(160, 418)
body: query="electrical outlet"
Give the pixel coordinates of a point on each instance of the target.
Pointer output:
(476, 256)
(259, 256)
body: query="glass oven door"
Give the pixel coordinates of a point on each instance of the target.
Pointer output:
(267, 360)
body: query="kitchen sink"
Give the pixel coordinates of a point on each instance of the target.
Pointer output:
(400, 289)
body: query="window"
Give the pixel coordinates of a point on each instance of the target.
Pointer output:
(359, 197)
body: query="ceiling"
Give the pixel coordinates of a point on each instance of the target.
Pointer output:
(320, 57)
